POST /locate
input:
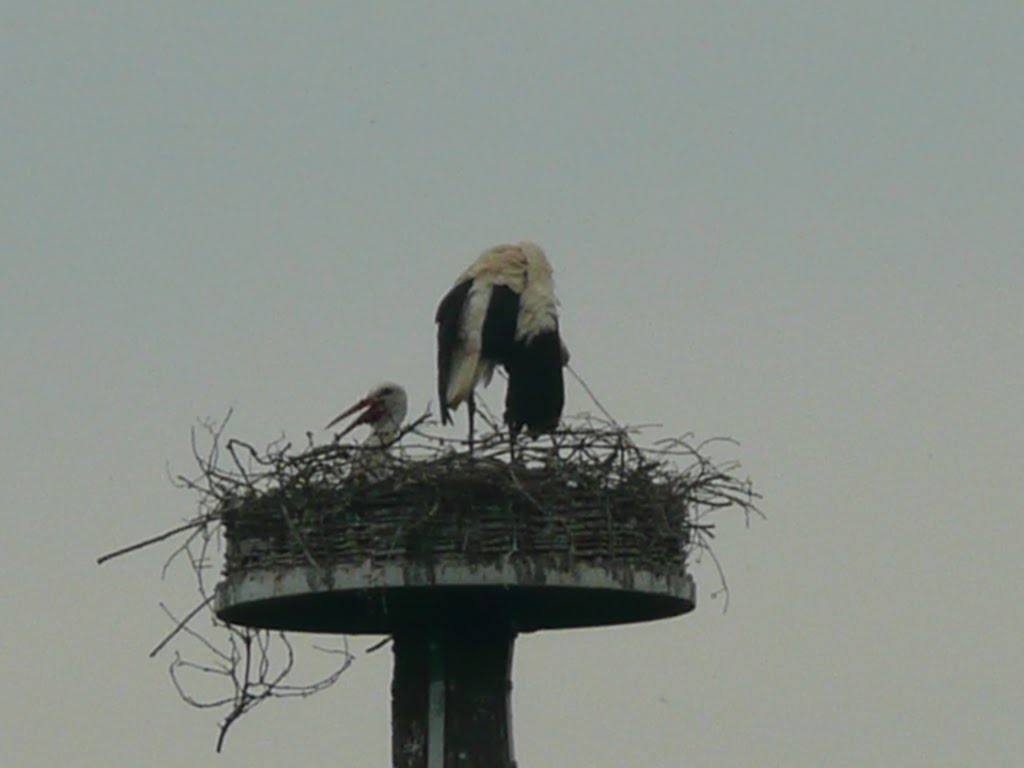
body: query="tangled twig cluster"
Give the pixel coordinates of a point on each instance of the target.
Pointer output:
(590, 491)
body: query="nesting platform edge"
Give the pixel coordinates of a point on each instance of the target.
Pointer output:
(529, 593)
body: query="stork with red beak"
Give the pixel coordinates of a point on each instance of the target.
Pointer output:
(383, 409)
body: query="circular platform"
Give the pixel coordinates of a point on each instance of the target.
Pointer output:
(528, 593)
(543, 548)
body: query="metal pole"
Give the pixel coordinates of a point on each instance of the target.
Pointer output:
(451, 697)
(435, 703)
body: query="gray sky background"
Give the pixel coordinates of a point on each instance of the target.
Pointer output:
(795, 224)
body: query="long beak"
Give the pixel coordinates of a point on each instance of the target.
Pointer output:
(371, 413)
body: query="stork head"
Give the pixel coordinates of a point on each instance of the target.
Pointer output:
(383, 408)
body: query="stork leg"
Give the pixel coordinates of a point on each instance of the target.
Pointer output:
(471, 406)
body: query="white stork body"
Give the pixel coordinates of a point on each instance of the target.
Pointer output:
(503, 311)
(384, 409)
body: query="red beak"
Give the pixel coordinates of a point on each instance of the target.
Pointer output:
(374, 410)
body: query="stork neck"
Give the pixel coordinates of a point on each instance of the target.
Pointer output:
(382, 435)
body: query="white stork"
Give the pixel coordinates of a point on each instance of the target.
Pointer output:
(384, 409)
(503, 311)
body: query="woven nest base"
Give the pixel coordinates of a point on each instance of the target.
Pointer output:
(475, 515)
(526, 543)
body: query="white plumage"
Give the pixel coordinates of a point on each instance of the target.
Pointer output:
(503, 311)
(383, 409)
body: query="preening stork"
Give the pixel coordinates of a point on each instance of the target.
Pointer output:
(384, 409)
(503, 311)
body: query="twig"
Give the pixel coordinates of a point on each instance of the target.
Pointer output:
(378, 646)
(181, 626)
(155, 539)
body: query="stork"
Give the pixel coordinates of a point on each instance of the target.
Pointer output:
(384, 409)
(502, 311)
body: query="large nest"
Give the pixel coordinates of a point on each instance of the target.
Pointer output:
(588, 494)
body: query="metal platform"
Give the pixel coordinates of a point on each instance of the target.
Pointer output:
(526, 593)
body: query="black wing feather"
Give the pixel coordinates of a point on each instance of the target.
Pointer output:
(536, 390)
(499, 332)
(448, 317)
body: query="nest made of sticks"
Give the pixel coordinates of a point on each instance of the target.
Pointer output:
(587, 494)
(590, 492)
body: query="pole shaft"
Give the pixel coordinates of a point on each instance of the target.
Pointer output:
(474, 663)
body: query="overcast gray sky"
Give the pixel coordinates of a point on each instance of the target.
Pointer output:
(795, 224)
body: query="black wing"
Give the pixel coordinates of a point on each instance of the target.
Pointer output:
(448, 317)
(536, 389)
(499, 331)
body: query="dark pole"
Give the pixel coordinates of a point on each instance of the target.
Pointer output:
(450, 696)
